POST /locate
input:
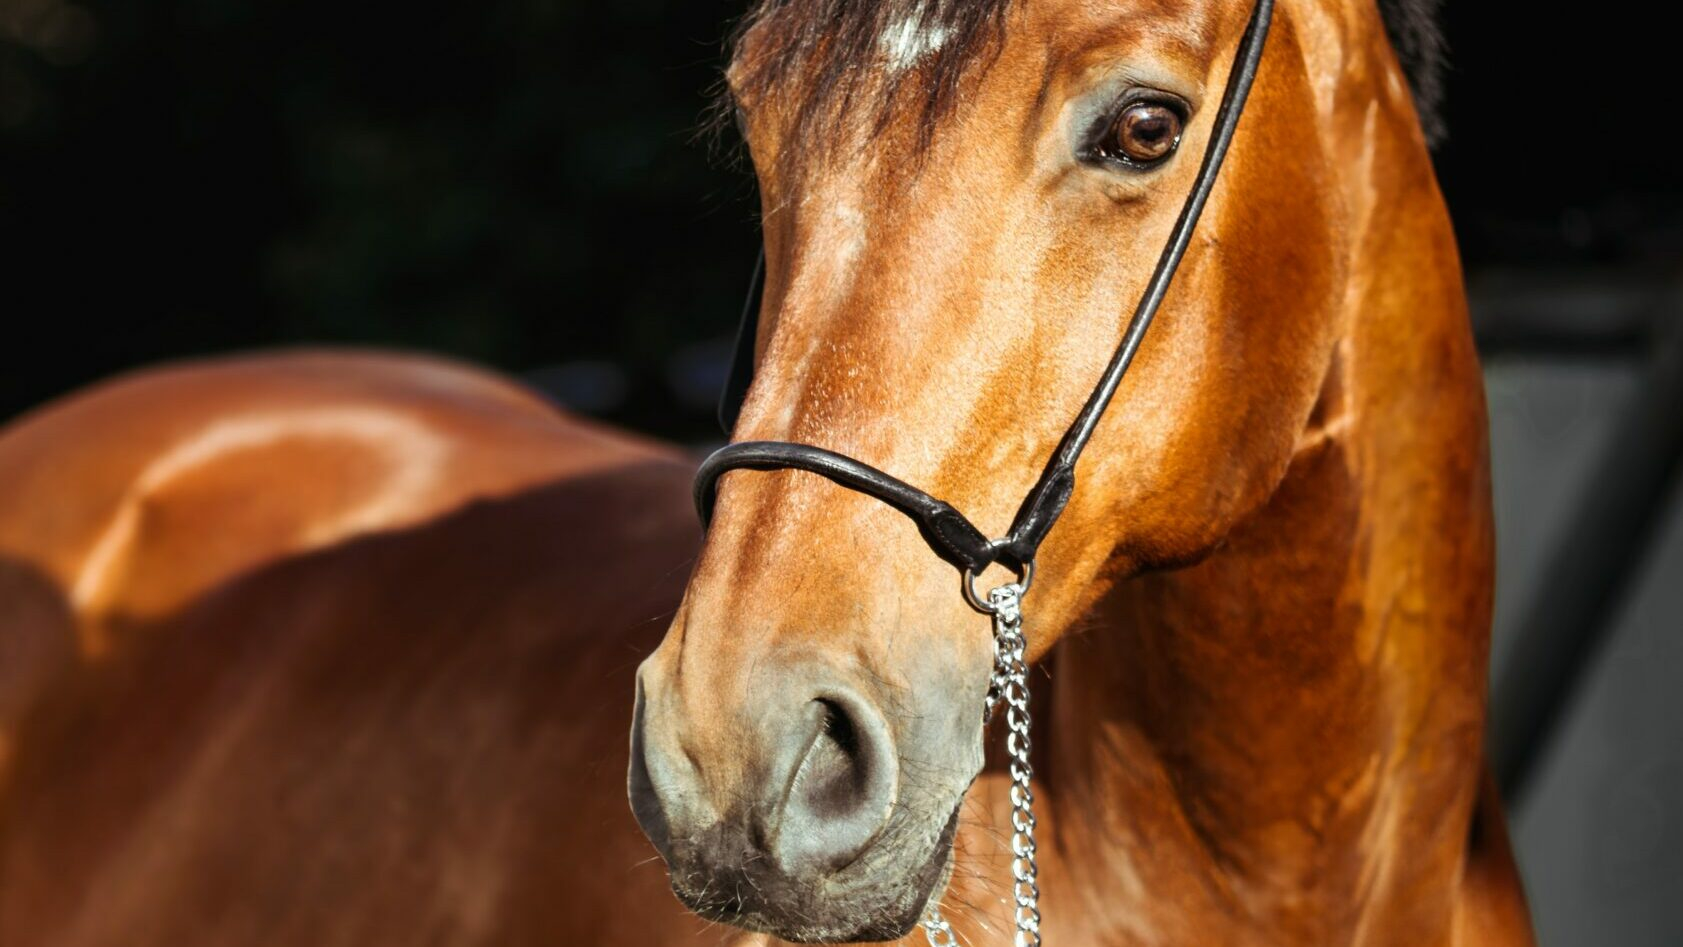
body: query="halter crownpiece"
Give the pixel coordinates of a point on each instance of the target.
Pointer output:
(948, 532)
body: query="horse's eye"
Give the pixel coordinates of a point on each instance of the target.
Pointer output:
(1143, 132)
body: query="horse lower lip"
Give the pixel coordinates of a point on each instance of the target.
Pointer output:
(944, 852)
(894, 912)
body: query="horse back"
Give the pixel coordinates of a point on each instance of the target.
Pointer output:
(326, 648)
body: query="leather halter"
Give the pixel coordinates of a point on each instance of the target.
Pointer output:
(952, 536)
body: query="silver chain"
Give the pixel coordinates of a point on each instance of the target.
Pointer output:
(1009, 686)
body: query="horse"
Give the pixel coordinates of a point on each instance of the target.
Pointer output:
(341, 648)
(1260, 629)
(328, 648)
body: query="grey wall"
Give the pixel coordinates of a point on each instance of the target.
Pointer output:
(1600, 833)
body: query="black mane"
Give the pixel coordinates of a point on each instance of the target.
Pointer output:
(831, 44)
(1416, 32)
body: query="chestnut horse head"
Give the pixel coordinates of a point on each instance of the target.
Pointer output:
(962, 203)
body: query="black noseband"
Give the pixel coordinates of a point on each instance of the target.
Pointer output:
(948, 533)
(952, 536)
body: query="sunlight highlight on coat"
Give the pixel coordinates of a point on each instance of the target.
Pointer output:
(414, 456)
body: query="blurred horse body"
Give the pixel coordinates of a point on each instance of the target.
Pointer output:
(328, 650)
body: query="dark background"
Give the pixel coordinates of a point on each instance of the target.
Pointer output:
(519, 183)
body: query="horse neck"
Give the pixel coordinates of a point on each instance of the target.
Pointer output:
(1287, 735)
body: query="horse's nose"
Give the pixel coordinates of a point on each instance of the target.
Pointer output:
(840, 789)
(794, 797)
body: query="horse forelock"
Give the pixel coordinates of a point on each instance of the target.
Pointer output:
(862, 58)
(875, 57)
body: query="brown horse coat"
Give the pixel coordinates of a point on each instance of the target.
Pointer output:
(327, 650)
(1263, 619)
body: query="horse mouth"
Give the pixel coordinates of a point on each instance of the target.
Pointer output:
(868, 902)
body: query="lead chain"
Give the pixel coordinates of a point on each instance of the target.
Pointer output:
(1010, 686)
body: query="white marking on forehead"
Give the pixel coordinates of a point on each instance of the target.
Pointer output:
(907, 40)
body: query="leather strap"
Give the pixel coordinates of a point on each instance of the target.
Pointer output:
(945, 529)
(742, 353)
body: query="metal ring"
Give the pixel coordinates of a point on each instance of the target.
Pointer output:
(1025, 578)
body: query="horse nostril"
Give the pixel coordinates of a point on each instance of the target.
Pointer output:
(646, 804)
(842, 789)
(834, 775)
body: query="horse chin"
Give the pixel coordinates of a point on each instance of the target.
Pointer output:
(881, 897)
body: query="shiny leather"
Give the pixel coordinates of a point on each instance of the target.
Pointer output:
(946, 530)
(952, 536)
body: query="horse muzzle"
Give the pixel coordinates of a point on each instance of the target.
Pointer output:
(795, 817)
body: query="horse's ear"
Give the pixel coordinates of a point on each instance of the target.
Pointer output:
(1416, 32)
(741, 372)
